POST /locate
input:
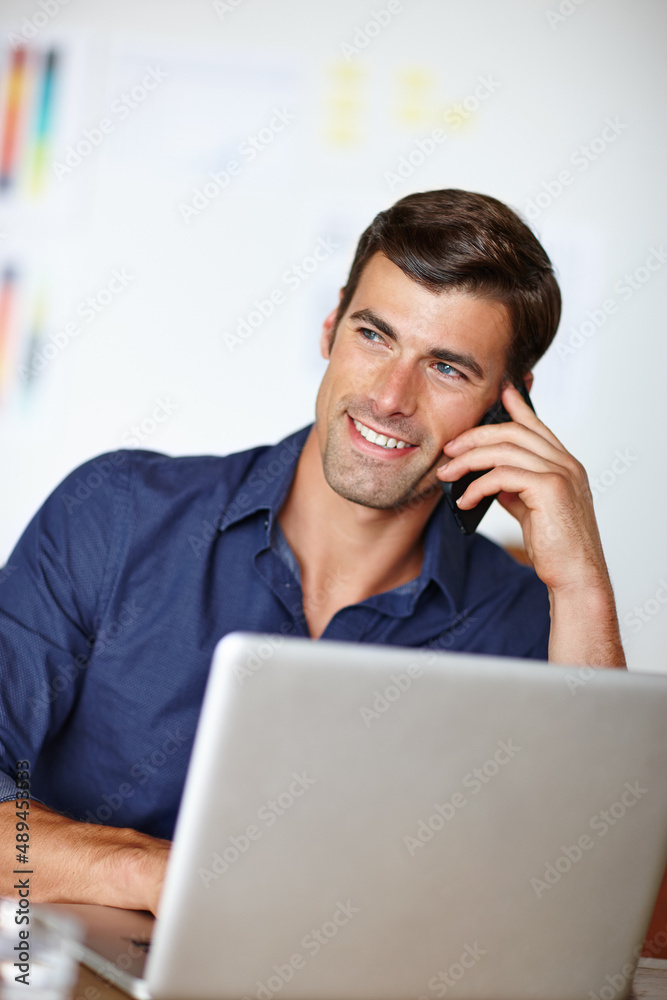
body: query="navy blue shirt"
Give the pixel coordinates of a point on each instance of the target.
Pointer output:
(124, 581)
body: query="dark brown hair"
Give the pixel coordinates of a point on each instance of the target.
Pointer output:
(474, 243)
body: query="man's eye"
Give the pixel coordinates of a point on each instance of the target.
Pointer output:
(444, 369)
(369, 334)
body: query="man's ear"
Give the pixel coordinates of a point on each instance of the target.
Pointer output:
(328, 329)
(528, 379)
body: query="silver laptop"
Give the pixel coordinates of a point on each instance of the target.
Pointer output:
(363, 822)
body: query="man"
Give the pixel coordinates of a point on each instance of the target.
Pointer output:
(139, 563)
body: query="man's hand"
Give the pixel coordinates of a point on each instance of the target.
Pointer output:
(547, 491)
(84, 863)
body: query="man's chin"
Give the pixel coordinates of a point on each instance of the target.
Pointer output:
(379, 486)
(382, 496)
(374, 503)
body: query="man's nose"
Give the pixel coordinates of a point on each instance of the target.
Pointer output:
(394, 390)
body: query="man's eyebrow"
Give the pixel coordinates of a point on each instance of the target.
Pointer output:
(464, 360)
(368, 316)
(448, 357)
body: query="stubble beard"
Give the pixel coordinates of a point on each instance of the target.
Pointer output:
(363, 480)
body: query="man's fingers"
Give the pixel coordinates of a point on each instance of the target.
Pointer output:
(521, 413)
(514, 505)
(511, 444)
(524, 422)
(530, 438)
(493, 456)
(527, 484)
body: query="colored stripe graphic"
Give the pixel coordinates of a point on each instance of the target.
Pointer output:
(6, 307)
(43, 129)
(34, 342)
(12, 117)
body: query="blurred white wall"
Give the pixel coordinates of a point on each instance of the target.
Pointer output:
(554, 106)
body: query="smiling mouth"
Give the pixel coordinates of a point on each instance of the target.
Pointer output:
(380, 439)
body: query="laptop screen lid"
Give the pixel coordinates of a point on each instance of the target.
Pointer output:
(362, 821)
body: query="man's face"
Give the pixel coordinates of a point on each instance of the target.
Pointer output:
(417, 368)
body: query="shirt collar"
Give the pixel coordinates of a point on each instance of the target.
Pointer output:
(445, 556)
(266, 482)
(265, 486)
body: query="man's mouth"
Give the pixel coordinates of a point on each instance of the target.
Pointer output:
(383, 440)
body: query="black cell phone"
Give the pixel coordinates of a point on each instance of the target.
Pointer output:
(468, 520)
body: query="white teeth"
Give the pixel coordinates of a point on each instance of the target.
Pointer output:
(380, 439)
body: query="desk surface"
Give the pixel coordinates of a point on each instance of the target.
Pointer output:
(650, 983)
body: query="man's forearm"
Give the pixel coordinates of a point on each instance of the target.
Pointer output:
(84, 863)
(584, 628)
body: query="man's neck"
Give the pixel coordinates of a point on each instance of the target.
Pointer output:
(347, 552)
